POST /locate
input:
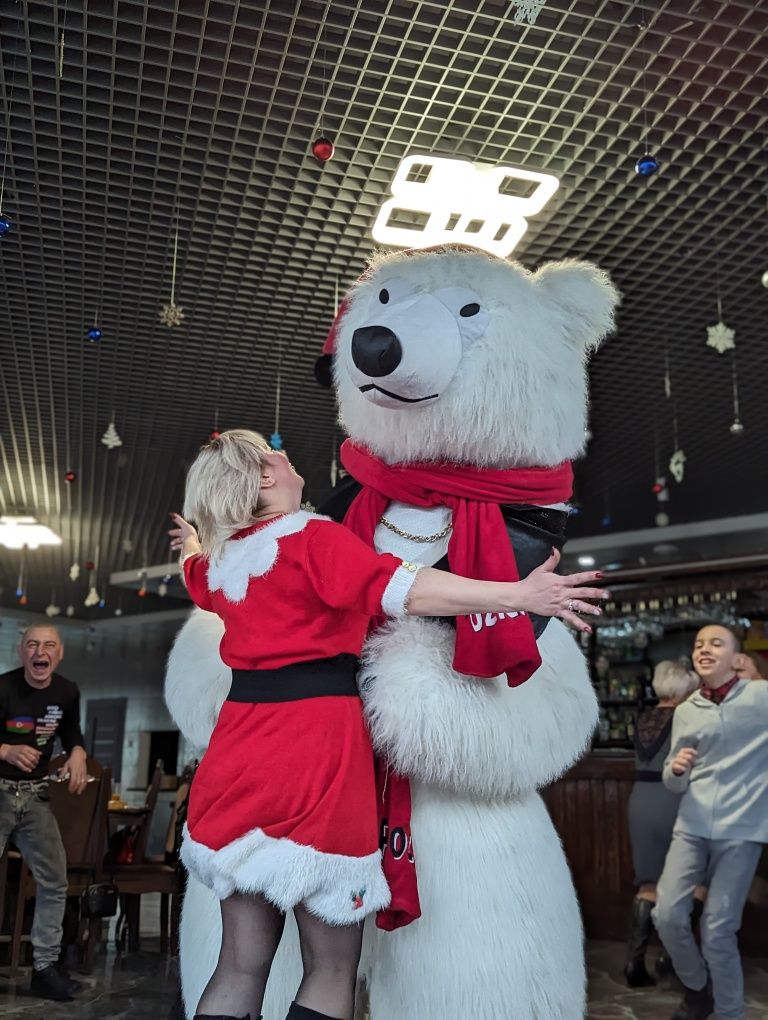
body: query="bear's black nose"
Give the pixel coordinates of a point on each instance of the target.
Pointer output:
(376, 351)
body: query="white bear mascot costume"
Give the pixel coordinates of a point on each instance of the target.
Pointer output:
(452, 356)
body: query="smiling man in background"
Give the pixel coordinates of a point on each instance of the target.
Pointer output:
(719, 761)
(36, 706)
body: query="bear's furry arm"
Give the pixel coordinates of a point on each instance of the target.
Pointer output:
(478, 738)
(196, 680)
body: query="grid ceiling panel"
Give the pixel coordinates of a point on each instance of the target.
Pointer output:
(206, 110)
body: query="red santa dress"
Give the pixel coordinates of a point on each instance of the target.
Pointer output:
(284, 802)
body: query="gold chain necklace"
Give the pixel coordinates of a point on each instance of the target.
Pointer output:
(417, 538)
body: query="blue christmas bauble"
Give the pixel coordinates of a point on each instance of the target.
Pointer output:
(102, 603)
(276, 441)
(606, 520)
(94, 333)
(647, 165)
(5, 225)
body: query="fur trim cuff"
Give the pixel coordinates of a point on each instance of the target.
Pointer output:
(254, 555)
(336, 888)
(394, 601)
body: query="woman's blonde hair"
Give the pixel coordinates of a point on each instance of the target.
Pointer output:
(673, 681)
(223, 484)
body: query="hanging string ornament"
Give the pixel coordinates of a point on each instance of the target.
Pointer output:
(659, 487)
(647, 165)
(719, 336)
(92, 598)
(20, 593)
(678, 458)
(527, 11)
(95, 333)
(111, 439)
(70, 610)
(276, 440)
(52, 609)
(322, 147)
(6, 224)
(736, 427)
(173, 314)
(61, 43)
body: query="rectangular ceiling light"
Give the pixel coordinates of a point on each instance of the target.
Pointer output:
(18, 532)
(440, 200)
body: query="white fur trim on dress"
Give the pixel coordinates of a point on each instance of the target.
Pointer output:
(254, 555)
(336, 888)
(395, 598)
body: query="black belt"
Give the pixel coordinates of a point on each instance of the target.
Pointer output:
(320, 678)
(647, 776)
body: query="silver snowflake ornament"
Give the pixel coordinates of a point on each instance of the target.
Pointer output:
(677, 465)
(171, 314)
(527, 10)
(74, 571)
(721, 337)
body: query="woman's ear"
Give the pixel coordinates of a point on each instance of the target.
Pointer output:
(267, 478)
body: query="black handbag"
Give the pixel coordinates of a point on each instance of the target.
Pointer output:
(99, 900)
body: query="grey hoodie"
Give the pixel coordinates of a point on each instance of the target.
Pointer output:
(726, 791)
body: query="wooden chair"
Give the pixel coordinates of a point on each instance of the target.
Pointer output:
(82, 821)
(148, 876)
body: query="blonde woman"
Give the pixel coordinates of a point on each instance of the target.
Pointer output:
(282, 813)
(652, 808)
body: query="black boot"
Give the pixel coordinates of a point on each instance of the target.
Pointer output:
(697, 1004)
(49, 983)
(664, 967)
(297, 1012)
(639, 932)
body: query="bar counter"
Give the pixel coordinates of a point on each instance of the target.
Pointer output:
(589, 809)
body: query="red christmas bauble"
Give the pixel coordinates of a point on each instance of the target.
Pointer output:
(657, 488)
(70, 477)
(322, 149)
(89, 565)
(214, 435)
(23, 600)
(142, 592)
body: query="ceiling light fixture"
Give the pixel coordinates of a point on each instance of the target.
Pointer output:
(438, 200)
(586, 561)
(18, 532)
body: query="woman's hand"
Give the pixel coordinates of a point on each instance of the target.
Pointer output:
(181, 532)
(549, 594)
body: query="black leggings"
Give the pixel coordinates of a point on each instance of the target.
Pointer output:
(251, 932)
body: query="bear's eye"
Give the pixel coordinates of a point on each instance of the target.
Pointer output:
(384, 295)
(471, 309)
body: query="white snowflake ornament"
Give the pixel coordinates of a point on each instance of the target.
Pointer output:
(92, 598)
(110, 438)
(677, 465)
(74, 571)
(527, 10)
(162, 589)
(70, 610)
(721, 337)
(171, 314)
(52, 610)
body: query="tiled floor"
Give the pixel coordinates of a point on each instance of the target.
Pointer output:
(143, 987)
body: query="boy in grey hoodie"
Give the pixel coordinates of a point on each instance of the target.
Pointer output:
(719, 761)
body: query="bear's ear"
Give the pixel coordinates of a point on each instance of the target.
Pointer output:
(585, 294)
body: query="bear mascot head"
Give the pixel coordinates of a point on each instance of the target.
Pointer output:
(471, 370)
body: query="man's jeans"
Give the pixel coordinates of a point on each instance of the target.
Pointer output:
(26, 819)
(727, 868)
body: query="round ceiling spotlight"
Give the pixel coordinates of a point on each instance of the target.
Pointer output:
(586, 561)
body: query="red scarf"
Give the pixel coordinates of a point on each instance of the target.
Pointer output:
(718, 694)
(479, 546)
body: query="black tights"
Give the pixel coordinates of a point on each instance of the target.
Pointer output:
(251, 932)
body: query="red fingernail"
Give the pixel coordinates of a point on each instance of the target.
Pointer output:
(599, 574)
